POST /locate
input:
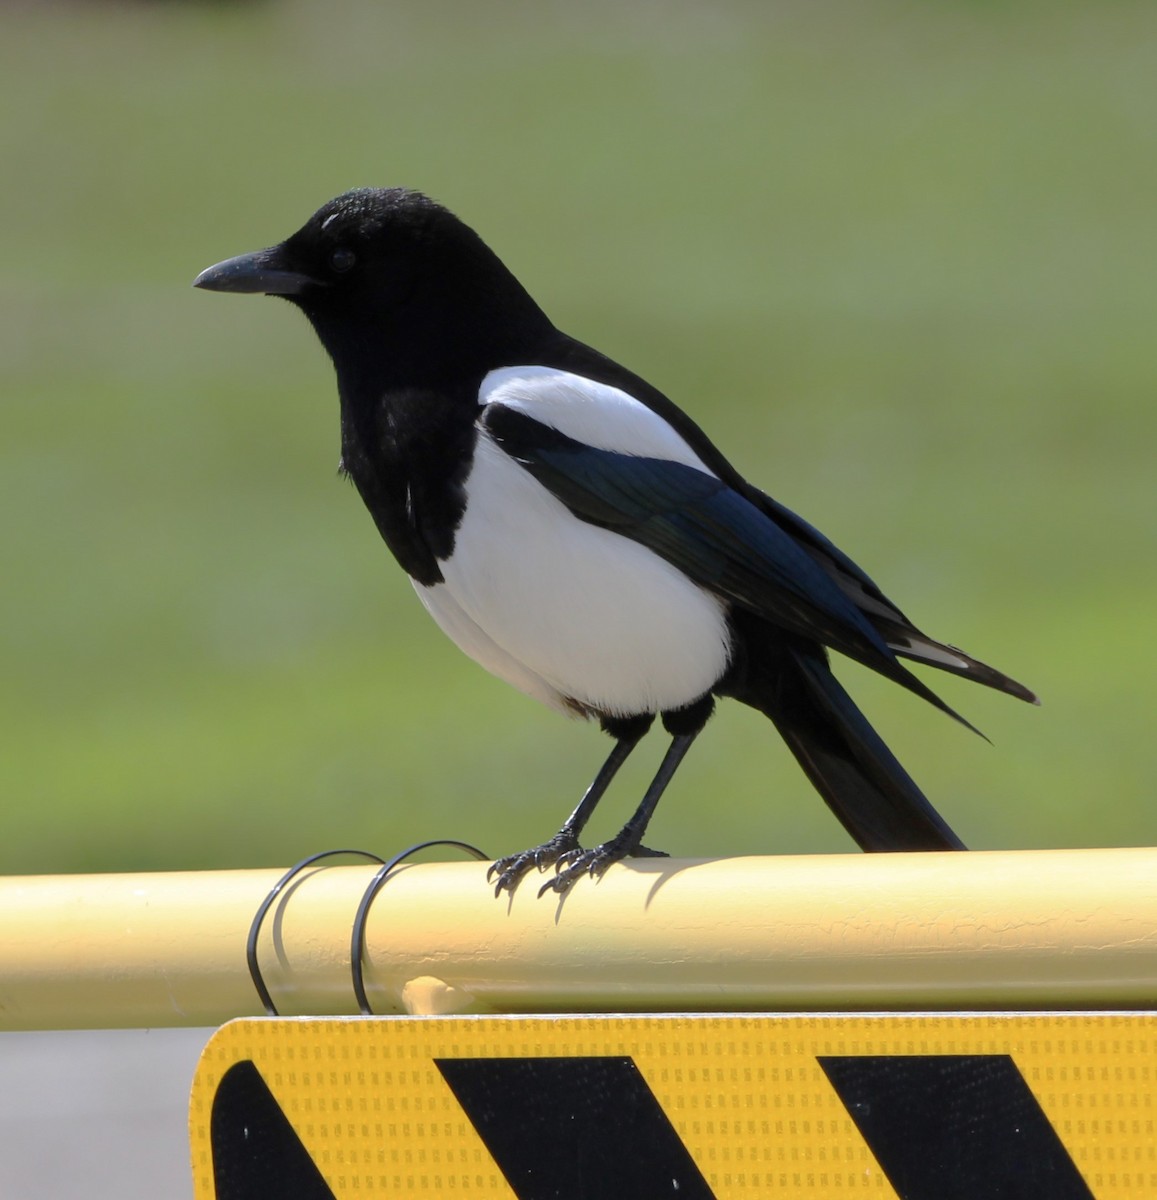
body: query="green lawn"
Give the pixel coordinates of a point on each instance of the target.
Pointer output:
(899, 259)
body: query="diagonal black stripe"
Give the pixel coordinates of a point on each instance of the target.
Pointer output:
(955, 1127)
(257, 1155)
(574, 1128)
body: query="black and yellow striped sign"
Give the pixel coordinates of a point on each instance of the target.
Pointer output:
(930, 1107)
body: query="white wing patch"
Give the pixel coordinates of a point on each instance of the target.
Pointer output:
(563, 609)
(595, 414)
(926, 650)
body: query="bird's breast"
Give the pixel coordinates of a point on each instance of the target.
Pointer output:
(600, 619)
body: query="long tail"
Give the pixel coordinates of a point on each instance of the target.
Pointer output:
(874, 798)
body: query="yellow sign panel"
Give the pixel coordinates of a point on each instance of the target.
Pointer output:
(711, 1107)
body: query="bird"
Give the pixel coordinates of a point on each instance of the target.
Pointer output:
(579, 536)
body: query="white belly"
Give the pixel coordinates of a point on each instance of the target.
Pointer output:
(562, 609)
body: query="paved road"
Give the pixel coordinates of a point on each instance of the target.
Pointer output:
(100, 1114)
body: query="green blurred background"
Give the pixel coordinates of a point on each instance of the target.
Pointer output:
(897, 258)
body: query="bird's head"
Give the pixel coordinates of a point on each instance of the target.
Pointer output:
(392, 280)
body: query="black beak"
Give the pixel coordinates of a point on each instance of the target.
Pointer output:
(266, 272)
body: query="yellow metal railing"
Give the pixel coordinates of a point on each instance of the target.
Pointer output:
(976, 931)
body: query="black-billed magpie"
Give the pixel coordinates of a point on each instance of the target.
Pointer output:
(578, 535)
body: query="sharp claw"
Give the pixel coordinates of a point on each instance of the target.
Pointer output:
(647, 852)
(571, 862)
(511, 870)
(560, 884)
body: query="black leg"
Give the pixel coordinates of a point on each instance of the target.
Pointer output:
(628, 840)
(511, 869)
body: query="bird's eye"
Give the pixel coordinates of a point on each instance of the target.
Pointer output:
(342, 259)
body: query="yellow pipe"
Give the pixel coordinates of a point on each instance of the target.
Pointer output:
(988, 931)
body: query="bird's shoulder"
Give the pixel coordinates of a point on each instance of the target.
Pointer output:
(574, 356)
(572, 388)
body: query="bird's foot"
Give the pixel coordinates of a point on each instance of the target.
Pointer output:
(571, 866)
(509, 871)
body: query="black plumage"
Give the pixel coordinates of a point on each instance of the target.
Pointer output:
(578, 534)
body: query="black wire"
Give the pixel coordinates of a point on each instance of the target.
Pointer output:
(358, 936)
(266, 904)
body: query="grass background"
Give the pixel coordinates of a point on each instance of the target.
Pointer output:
(897, 258)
